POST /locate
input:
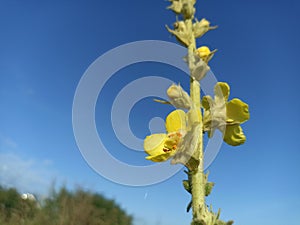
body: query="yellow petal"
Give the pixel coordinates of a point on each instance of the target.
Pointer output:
(222, 91)
(159, 158)
(203, 52)
(237, 111)
(207, 102)
(207, 120)
(154, 144)
(175, 121)
(234, 135)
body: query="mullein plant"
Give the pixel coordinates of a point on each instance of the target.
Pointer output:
(183, 141)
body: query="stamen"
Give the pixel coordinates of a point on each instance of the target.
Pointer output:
(166, 150)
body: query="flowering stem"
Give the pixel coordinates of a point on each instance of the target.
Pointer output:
(197, 178)
(186, 32)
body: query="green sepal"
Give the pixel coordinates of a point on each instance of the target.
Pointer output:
(192, 164)
(187, 186)
(208, 188)
(162, 101)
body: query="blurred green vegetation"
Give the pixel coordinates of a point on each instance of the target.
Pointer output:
(63, 207)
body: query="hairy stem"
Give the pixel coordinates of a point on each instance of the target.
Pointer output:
(197, 176)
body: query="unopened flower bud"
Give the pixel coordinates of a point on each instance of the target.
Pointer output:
(182, 34)
(178, 97)
(176, 6)
(201, 27)
(188, 10)
(205, 54)
(173, 91)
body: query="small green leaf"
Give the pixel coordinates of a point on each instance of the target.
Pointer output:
(189, 206)
(208, 188)
(187, 186)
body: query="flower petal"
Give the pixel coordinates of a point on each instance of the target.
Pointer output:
(234, 135)
(237, 111)
(160, 158)
(222, 91)
(176, 121)
(154, 144)
(207, 102)
(188, 145)
(207, 120)
(204, 53)
(199, 69)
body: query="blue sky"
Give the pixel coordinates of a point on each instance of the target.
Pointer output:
(45, 48)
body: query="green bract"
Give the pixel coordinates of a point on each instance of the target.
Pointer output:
(225, 116)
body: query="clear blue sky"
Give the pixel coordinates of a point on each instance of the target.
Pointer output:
(46, 46)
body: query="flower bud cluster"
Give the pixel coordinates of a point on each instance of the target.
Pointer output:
(186, 31)
(184, 7)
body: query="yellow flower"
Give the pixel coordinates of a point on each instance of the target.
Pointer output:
(160, 147)
(225, 116)
(205, 54)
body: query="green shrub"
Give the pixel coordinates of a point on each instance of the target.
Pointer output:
(61, 208)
